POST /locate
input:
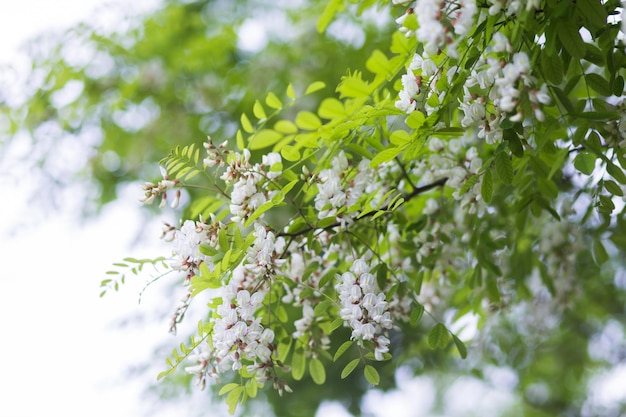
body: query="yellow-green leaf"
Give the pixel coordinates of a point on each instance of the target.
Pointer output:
(273, 102)
(385, 155)
(285, 126)
(347, 370)
(439, 336)
(399, 137)
(486, 189)
(342, 349)
(331, 108)
(298, 363)
(259, 111)
(290, 92)
(245, 123)
(264, 138)
(371, 374)
(415, 120)
(314, 86)
(332, 7)
(290, 153)
(307, 120)
(317, 370)
(378, 63)
(240, 143)
(227, 388)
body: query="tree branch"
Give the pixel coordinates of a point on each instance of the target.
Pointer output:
(416, 191)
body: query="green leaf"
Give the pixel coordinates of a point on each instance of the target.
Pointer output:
(379, 64)
(564, 99)
(321, 308)
(371, 374)
(252, 387)
(599, 252)
(264, 138)
(298, 364)
(594, 12)
(399, 137)
(342, 349)
(616, 172)
(331, 108)
(227, 388)
(381, 276)
(618, 86)
(258, 110)
(351, 366)
(416, 315)
(245, 123)
(460, 346)
(290, 92)
(570, 38)
(385, 155)
(415, 120)
(486, 189)
(612, 187)
(504, 168)
(290, 153)
(332, 7)
(284, 349)
(585, 162)
(240, 144)
(354, 86)
(207, 249)
(317, 370)
(552, 67)
(285, 126)
(273, 102)
(599, 84)
(314, 86)
(233, 398)
(307, 120)
(258, 212)
(439, 337)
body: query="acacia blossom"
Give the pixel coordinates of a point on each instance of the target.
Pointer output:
(363, 307)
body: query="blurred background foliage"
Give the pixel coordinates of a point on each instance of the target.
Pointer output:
(176, 75)
(188, 69)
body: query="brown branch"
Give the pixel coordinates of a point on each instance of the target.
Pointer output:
(416, 191)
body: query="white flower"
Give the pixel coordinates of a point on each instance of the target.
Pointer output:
(465, 21)
(409, 83)
(501, 43)
(406, 103)
(381, 347)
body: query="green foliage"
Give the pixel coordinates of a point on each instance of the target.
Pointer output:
(374, 205)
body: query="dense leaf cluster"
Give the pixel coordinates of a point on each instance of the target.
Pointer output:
(465, 168)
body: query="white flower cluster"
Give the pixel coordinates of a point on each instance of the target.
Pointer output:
(152, 191)
(187, 241)
(239, 334)
(497, 81)
(512, 7)
(340, 187)
(457, 160)
(560, 243)
(238, 337)
(498, 86)
(363, 307)
(422, 71)
(264, 255)
(250, 183)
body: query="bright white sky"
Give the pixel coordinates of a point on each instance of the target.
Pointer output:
(62, 350)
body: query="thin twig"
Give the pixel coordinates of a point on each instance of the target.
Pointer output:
(416, 191)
